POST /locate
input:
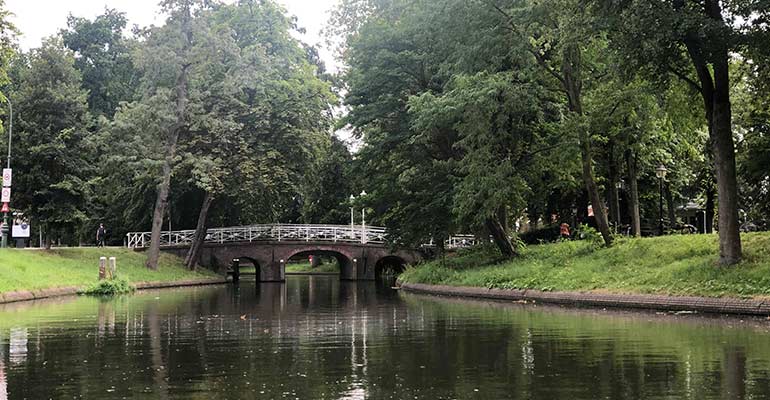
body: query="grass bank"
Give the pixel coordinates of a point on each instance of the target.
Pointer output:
(305, 267)
(41, 269)
(672, 265)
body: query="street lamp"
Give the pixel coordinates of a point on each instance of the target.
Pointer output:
(660, 172)
(352, 199)
(6, 228)
(363, 219)
(363, 216)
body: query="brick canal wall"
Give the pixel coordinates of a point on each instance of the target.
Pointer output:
(587, 299)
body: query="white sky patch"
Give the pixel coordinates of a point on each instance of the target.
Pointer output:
(37, 19)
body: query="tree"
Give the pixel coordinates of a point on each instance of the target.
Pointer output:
(328, 186)
(103, 57)
(679, 38)
(58, 163)
(566, 44)
(167, 62)
(499, 120)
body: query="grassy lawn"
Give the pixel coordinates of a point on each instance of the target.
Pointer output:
(305, 267)
(39, 269)
(673, 265)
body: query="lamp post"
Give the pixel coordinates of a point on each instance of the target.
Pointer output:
(363, 216)
(660, 172)
(6, 228)
(363, 219)
(352, 199)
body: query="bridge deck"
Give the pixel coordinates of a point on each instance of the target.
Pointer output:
(285, 232)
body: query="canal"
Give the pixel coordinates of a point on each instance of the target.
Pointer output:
(318, 338)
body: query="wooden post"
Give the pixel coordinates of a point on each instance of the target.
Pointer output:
(102, 267)
(236, 270)
(113, 267)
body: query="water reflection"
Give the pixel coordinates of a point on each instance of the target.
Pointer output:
(317, 338)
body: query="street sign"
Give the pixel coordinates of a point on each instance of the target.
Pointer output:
(20, 230)
(7, 175)
(6, 195)
(5, 208)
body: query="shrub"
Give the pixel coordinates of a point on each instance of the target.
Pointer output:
(108, 287)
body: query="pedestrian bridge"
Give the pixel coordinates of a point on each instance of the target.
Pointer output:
(361, 251)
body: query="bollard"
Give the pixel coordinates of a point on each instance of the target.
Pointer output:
(102, 267)
(113, 267)
(236, 270)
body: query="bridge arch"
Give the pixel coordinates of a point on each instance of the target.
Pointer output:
(389, 265)
(246, 260)
(346, 260)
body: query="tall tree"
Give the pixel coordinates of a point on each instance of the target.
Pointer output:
(566, 45)
(103, 57)
(683, 38)
(55, 187)
(170, 47)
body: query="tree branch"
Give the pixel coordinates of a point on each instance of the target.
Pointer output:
(531, 49)
(687, 79)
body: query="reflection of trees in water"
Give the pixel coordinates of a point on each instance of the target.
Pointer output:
(315, 337)
(3, 382)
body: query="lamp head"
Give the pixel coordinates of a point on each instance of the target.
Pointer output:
(661, 171)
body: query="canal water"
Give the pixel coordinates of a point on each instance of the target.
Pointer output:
(318, 338)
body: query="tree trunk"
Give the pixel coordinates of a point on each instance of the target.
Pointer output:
(502, 216)
(161, 200)
(715, 91)
(671, 207)
(500, 237)
(572, 82)
(724, 157)
(633, 194)
(613, 196)
(200, 233)
(710, 205)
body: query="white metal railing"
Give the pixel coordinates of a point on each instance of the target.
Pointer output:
(266, 233)
(456, 242)
(286, 232)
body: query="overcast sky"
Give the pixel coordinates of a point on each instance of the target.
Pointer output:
(37, 19)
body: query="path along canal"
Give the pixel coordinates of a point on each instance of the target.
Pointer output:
(318, 338)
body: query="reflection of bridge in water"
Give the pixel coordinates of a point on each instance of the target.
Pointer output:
(362, 252)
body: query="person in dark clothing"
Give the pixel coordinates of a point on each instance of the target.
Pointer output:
(101, 235)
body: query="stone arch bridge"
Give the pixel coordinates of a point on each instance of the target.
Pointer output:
(361, 251)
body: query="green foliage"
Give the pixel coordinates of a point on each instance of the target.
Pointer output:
(51, 133)
(108, 287)
(103, 58)
(332, 267)
(590, 235)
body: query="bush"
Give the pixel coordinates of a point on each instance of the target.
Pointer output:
(109, 287)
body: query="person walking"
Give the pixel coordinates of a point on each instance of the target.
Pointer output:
(101, 235)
